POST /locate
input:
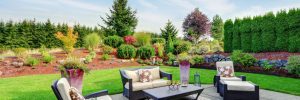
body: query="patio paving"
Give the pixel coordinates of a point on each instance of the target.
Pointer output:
(210, 93)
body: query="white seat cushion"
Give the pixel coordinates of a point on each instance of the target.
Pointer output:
(105, 97)
(133, 75)
(136, 86)
(159, 83)
(155, 73)
(63, 87)
(230, 79)
(239, 85)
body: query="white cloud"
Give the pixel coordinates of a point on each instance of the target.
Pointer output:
(84, 5)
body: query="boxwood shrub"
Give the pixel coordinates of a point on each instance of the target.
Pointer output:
(113, 41)
(126, 51)
(145, 52)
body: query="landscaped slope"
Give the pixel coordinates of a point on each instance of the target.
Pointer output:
(37, 87)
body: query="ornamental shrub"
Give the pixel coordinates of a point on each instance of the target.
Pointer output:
(197, 59)
(158, 40)
(113, 41)
(171, 57)
(47, 58)
(244, 59)
(169, 47)
(20, 52)
(92, 41)
(159, 49)
(93, 54)
(182, 46)
(126, 51)
(145, 52)
(129, 39)
(105, 57)
(293, 65)
(31, 61)
(107, 49)
(142, 39)
(68, 40)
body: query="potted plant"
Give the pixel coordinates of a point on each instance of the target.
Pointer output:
(184, 64)
(73, 69)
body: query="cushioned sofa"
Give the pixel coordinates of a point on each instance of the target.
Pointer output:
(132, 87)
(61, 89)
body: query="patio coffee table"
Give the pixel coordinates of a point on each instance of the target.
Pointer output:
(163, 93)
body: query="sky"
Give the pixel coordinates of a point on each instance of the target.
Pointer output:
(152, 14)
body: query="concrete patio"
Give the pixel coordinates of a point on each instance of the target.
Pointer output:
(210, 93)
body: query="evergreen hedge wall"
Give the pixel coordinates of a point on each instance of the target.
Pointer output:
(266, 33)
(32, 34)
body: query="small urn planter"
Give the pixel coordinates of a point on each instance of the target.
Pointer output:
(73, 70)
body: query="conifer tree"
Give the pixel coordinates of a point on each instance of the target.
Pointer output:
(217, 28)
(169, 31)
(228, 32)
(122, 20)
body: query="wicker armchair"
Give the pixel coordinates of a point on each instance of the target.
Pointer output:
(126, 80)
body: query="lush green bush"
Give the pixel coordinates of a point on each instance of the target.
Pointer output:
(105, 57)
(197, 59)
(31, 61)
(88, 59)
(126, 51)
(107, 49)
(113, 41)
(158, 40)
(182, 46)
(169, 47)
(244, 59)
(47, 58)
(145, 52)
(92, 41)
(171, 57)
(142, 39)
(293, 65)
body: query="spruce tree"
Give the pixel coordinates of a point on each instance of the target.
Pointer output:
(217, 28)
(169, 31)
(122, 20)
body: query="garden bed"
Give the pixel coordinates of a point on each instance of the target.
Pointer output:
(7, 70)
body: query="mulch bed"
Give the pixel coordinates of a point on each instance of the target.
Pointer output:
(7, 70)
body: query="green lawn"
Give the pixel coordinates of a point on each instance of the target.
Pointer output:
(37, 87)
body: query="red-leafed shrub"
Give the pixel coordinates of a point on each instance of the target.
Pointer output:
(129, 39)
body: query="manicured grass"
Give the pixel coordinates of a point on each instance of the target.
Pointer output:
(37, 87)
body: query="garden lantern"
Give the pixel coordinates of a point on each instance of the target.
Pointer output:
(197, 81)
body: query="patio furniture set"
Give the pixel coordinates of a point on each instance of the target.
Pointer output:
(153, 83)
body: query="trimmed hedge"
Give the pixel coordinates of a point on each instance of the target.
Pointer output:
(32, 34)
(267, 33)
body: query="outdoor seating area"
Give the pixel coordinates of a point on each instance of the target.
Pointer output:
(149, 50)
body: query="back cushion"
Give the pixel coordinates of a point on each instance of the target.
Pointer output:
(155, 73)
(225, 68)
(134, 75)
(63, 87)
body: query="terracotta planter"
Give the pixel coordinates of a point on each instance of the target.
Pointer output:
(74, 77)
(184, 72)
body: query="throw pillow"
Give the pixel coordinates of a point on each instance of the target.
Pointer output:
(145, 75)
(155, 73)
(75, 95)
(225, 71)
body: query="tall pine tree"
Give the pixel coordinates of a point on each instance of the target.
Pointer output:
(217, 28)
(169, 31)
(122, 20)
